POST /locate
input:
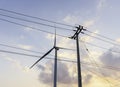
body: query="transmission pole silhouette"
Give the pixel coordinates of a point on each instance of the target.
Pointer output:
(76, 37)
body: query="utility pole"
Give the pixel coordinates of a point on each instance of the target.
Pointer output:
(76, 37)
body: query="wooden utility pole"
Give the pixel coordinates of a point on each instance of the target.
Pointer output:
(76, 37)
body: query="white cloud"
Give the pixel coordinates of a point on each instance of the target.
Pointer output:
(50, 36)
(118, 40)
(27, 47)
(89, 23)
(101, 4)
(113, 60)
(70, 19)
(89, 38)
(14, 62)
(64, 78)
(66, 42)
(28, 29)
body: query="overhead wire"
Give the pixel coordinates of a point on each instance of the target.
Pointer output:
(19, 48)
(21, 19)
(38, 29)
(35, 17)
(46, 20)
(94, 45)
(101, 77)
(101, 48)
(34, 28)
(67, 48)
(91, 44)
(101, 39)
(14, 47)
(53, 22)
(30, 55)
(94, 62)
(65, 59)
(100, 35)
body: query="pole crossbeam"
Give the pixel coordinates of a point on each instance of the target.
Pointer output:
(76, 37)
(79, 29)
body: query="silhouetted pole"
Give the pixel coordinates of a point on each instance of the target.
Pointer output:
(55, 67)
(76, 37)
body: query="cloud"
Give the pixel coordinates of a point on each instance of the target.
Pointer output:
(46, 76)
(111, 59)
(118, 41)
(50, 36)
(14, 62)
(41, 67)
(101, 4)
(87, 79)
(28, 29)
(66, 42)
(89, 23)
(27, 47)
(70, 19)
(89, 38)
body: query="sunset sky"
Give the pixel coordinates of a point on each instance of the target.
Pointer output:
(97, 16)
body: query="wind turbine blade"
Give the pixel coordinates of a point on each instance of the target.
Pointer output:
(42, 57)
(55, 39)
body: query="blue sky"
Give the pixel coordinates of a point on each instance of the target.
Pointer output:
(100, 16)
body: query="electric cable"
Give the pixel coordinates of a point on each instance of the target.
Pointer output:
(35, 17)
(100, 47)
(101, 39)
(31, 27)
(61, 28)
(66, 60)
(101, 35)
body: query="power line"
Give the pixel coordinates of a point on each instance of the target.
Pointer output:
(85, 63)
(61, 28)
(101, 35)
(35, 17)
(98, 65)
(94, 62)
(23, 54)
(107, 81)
(20, 48)
(101, 39)
(31, 50)
(67, 48)
(100, 47)
(31, 27)
(94, 45)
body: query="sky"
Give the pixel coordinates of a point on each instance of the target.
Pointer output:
(97, 16)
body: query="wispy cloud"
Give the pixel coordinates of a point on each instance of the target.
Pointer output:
(16, 64)
(27, 47)
(71, 19)
(28, 29)
(101, 4)
(89, 38)
(50, 36)
(111, 59)
(47, 76)
(89, 23)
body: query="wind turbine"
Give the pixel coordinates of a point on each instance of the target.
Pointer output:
(55, 61)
